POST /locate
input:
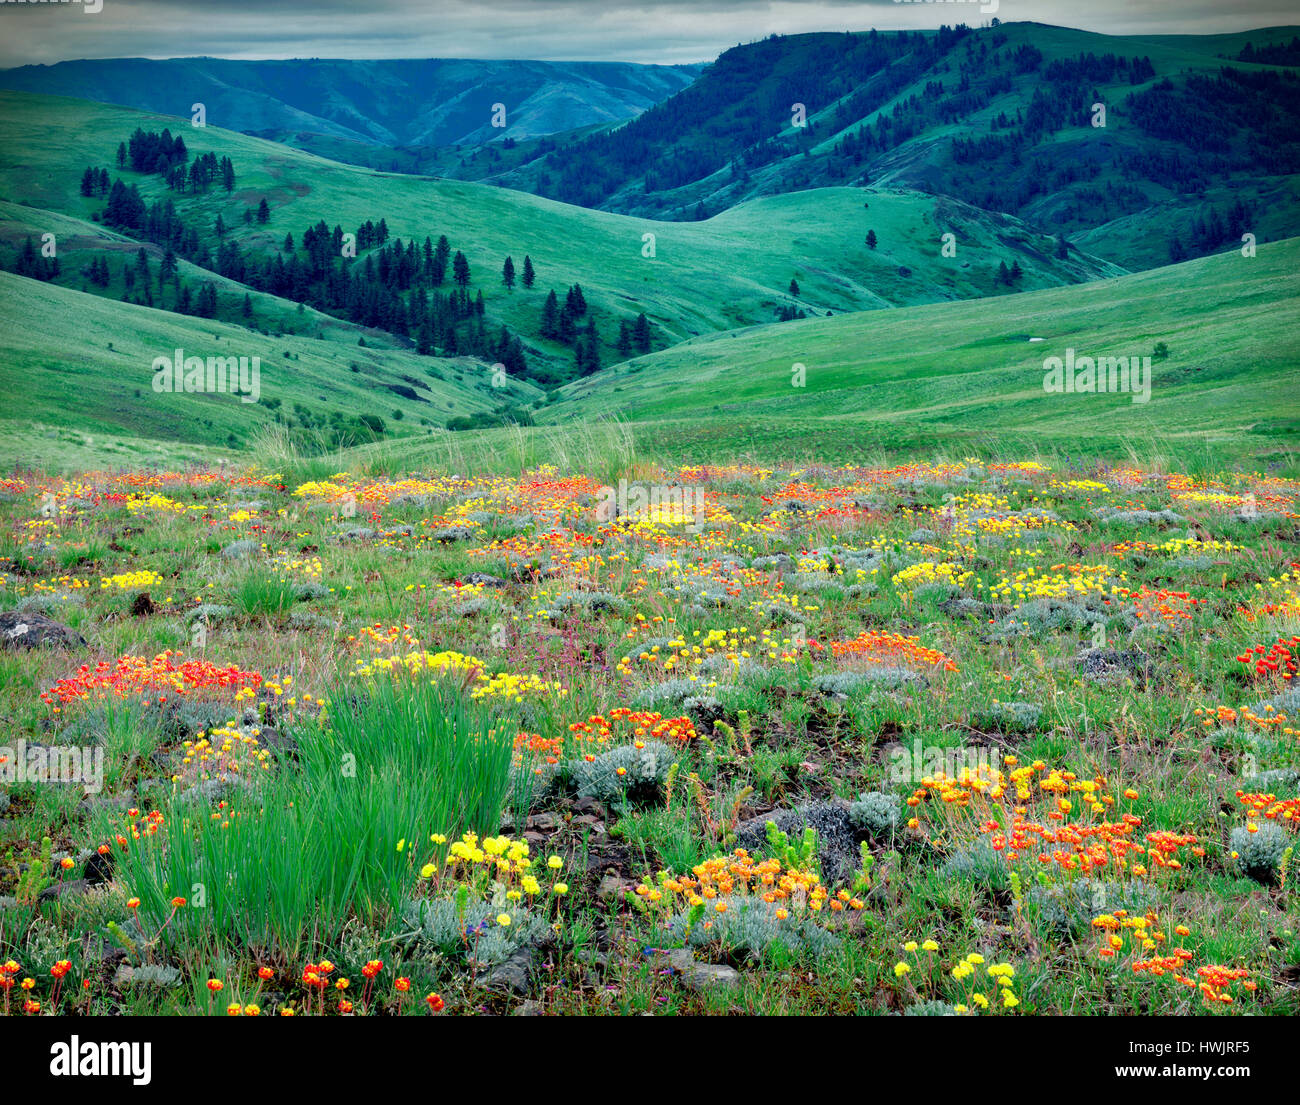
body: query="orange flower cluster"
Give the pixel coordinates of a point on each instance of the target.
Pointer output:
(1149, 953)
(1285, 811)
(1061, 832)
(1271, 718)
(723, 877)
(1162, 605)
(136, 675)
(876, 646)
(619, 725)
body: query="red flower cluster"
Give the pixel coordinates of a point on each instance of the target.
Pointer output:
(1276, 659)
(136, 675)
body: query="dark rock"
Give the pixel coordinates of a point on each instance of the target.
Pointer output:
(34, 630)
(592, 806)
(1108, 665)
(701, 976)
(64, 889)
(837, 840)
(448, 534)
(482, 579)
(514, 975)
(142, 605)
(99, 868)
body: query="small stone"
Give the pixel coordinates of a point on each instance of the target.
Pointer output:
(701, 976)
(64, 889)
(611, 887)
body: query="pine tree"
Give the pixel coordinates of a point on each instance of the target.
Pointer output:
(529, 274)
(441, 256)
(641, 333)
(460, 269)
(550, 327)
(424, 338)
(871, 239)
(624, 339)
(263, 211)
(568, 324)
(508, 273)
(794, 287)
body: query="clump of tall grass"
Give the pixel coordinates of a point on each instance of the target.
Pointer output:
(337, 831)
(263, 593)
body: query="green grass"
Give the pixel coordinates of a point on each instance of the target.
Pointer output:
(959, 376)
(731, 270)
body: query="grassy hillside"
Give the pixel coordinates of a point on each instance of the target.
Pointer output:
(75, 360)
(961, 371)
(80, 241)
(893, 109)
(729, 271)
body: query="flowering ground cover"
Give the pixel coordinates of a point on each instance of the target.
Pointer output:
(962, 738)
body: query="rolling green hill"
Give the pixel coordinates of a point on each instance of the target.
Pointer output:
(72, 360)
(959, 371)
(729, 271)
(1001, 117)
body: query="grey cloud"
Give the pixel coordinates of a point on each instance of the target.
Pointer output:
(664, 31)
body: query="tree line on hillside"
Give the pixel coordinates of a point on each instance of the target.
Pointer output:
(417, 292)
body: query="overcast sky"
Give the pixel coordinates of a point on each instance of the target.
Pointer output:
(663, 31)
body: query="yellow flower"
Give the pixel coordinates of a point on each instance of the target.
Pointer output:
(503, 919)
(900, 969)
(427, 871)
(561, 888)
(930, 946)
(910, 946)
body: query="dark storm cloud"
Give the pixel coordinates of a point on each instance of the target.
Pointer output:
(659, 30)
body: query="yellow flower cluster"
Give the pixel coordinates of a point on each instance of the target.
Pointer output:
(225, 750)
(971, 994)
(130, 581)
(1061, 582)
(507, 685)
(154, 502)
(498, 867)
(927, 572)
